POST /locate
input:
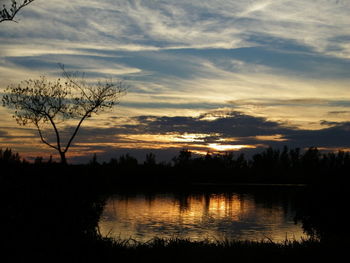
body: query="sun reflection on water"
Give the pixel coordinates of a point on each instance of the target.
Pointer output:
(196, 217)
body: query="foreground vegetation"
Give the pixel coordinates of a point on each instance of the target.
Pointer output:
(179, 250)
(50, 211)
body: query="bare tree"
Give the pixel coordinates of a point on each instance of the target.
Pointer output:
(9, 13)
(45, 103)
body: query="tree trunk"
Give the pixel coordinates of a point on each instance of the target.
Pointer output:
(63, 158)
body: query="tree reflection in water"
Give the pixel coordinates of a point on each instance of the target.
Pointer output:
(234, 215)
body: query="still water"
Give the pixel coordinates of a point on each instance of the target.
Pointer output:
(214, 216)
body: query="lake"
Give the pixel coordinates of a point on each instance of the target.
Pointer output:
(241, 215)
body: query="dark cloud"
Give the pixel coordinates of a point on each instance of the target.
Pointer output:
(243, 127)
(333, 137)
(240, 126)
(329, 123)
(122, 138)
(338, 113)
(25, 133)
(233, 124)
(293, 102)
(3, 134)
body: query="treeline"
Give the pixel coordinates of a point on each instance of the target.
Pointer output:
(269, 166)
(270, 161)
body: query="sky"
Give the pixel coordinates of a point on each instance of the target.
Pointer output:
(203, 75)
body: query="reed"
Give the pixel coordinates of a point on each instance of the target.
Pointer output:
(177, 250)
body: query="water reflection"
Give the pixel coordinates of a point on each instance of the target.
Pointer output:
(199, 216)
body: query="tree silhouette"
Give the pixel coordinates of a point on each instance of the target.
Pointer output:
(8, 14)
(40, 102)
(150, 160)
(183, 159)
(8, 157)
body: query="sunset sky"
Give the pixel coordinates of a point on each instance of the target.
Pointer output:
(205, 75)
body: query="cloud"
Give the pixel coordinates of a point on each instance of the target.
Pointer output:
(337, 113)
(178, 82)
(213, 131)
(219, 46)
(321, 25)
(276, 62)
(233, 124)
(333, 137)
(3, 133)
(293, 102)
(206, 133)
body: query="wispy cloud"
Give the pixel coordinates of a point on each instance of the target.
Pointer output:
(224, 24)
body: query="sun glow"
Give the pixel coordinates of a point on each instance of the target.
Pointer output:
(192, 137)
(227, 147)
(168, 137)
(275, 138)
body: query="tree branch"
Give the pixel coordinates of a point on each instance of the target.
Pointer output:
(71, 80)
(76, 130)
(42, 138)
(56, 132)
(6, 16)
